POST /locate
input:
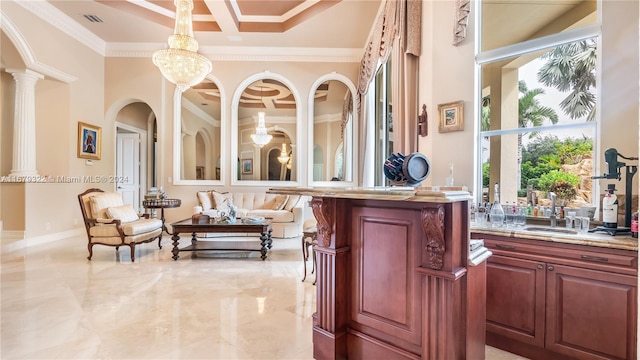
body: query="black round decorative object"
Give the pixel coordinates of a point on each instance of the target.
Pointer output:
(407, 170)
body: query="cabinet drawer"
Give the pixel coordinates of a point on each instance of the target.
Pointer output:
(576, 255)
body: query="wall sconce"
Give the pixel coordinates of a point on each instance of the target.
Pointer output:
(423, 128)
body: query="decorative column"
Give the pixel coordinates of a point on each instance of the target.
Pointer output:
(24, 122)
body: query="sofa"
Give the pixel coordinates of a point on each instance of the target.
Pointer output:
(285, 211)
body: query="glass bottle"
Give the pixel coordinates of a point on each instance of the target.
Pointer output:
(497, 213)
(610, 208)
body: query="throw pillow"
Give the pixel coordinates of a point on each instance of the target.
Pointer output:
(222, 201)
(100, 202)
(292, 202)
(124, 213)
(280, 201)
(205, 199)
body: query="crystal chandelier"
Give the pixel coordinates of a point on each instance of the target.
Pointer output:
(180, 63)
(284, 157)
(261, 138)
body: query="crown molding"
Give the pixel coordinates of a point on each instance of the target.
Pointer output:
(327, 118)
(237, 53)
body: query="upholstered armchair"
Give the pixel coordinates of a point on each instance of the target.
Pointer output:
(110, 222)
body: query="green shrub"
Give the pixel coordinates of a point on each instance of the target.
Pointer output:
(522, 192)
(561, 183)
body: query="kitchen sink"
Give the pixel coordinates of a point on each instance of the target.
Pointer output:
(551, 230)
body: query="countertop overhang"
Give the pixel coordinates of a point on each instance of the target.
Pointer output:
(415, 194)
(599, 239)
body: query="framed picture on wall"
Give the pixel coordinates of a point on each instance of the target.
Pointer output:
(247, 166)
(450, 117)
(89, 141)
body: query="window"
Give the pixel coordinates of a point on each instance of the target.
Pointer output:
(538, 118)
(383, 121)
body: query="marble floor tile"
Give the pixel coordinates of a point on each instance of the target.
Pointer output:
(55, 304)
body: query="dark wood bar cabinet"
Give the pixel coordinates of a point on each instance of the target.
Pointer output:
(394, 279)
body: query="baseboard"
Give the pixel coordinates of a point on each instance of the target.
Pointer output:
(21, 242)
(12, 235)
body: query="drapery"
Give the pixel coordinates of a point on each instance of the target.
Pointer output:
(397, 33)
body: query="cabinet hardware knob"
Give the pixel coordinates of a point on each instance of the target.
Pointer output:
(540, 266)
(550, 268)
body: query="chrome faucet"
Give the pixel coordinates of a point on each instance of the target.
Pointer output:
(554, 221)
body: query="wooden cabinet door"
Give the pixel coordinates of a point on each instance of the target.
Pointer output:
(591, 314)
(515, 299)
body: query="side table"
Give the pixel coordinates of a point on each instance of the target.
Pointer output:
(161, 204)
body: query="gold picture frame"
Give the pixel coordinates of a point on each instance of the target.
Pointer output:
(89, 141)
(451, 117)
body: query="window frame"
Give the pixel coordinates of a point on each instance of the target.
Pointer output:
(525, 47)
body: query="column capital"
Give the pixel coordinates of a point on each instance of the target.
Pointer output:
(29, 72)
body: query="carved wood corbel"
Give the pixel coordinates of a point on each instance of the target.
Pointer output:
(434, 246)
(324, 212)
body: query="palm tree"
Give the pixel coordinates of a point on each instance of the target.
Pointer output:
(571, 67)
(531, 114)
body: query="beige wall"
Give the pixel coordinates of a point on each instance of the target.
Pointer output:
(619, 89)
(105, 86)
(50, 208)
(446, 75)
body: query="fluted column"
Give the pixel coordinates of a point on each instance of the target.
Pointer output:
(24, 122)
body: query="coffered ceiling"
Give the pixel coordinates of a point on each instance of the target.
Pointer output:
(336, 27)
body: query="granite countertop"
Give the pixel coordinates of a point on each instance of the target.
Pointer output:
(418, 194)
(546, 233)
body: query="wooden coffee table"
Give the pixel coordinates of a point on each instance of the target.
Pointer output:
(189, 226)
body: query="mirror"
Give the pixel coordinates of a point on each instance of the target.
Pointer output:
(333, 132)
(197, 133)
(266, 132)
(201, 125)
(531, 20)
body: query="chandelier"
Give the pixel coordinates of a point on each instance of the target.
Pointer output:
(180, 63)
(261, 138)
(284, 157)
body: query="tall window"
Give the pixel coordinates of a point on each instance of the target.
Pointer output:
(383, 123)
(538, 95)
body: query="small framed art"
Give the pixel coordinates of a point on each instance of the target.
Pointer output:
(451, 117)
(89, 141)
(247, 166)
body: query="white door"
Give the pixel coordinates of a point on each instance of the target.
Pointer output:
(128, 168)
